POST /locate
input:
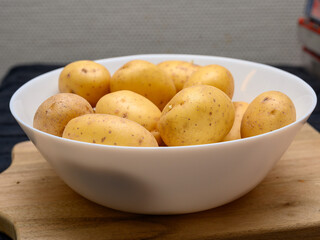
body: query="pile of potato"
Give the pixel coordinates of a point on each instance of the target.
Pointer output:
(173, 103)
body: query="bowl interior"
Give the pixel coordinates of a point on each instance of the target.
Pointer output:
(250, 78)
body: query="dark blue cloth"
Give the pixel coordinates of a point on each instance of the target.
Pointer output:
(10, 131)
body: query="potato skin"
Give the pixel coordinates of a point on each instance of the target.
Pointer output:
(214, 75)
(196, 115)
(130, 105)
(235, 132)
(133, 106)
(144, 78)
(157, 136)
(85, 78)
(55, 112)
(269, 111)
(179, 71)
(108, 130)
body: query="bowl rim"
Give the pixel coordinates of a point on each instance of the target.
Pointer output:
(302, 118)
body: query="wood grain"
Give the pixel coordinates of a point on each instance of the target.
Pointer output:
(36, 204)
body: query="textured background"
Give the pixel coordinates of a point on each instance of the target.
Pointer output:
(43, 31)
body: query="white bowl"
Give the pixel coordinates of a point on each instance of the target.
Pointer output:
(168, 180)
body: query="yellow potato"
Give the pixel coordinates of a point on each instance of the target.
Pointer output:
(157, 136)
(108, 130)
(235, 133)
(267, 112)
(179, 71)
(87, 79)
(196, 115)
(214, 75)
(133, 106)
(144, 78)
(54, 113)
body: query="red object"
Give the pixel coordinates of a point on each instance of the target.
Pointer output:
(313, 54)
(309, 35)
(309, 25)
(315, 9)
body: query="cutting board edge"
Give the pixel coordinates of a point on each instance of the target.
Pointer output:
(7, 226)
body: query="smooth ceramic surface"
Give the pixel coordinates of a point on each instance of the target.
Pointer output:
(168, 180)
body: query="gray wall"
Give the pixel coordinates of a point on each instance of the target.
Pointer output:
(61, 31)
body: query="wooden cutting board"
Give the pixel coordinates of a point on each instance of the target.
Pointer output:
(36, 204)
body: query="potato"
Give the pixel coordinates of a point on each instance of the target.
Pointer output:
(144, 78)
(87, 79)
(196, 115)
(54, 113)
(108, 130)
(235, 133)
(179, 71)
(157, 136)
(133, 106)
(214, 75)
(267, 112)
